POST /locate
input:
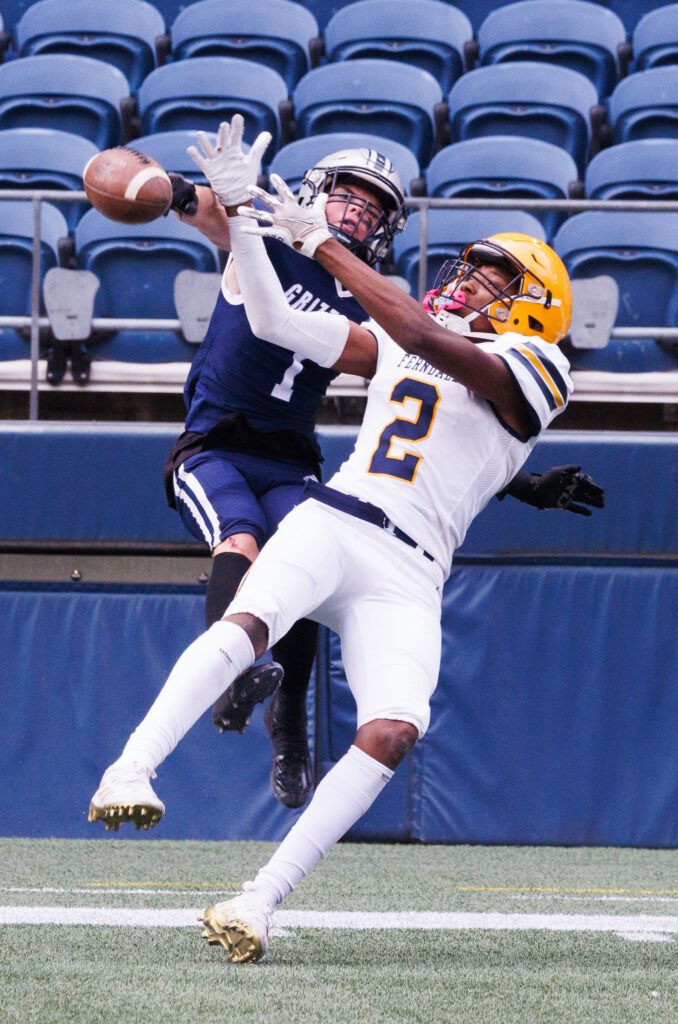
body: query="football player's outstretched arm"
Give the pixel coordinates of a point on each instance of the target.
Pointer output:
(328, 339)
(403, 318)
(198, 206)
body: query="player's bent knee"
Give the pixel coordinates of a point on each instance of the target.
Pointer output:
(238, 544)
(256, 630)
(387, 740)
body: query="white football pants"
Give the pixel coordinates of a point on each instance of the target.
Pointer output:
(378, 594)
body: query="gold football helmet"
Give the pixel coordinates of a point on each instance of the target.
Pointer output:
(537, 299)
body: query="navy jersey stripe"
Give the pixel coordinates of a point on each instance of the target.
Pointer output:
(184, 488)
(551, 367)
(535, 375)
(531, 411)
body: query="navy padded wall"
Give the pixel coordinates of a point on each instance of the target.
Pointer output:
(72, 699)
(555, 717)
(115, 489)
(557, 709)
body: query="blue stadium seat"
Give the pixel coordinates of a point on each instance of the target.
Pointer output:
(292, 162)
(197, 94)
(375, 96)
(655, 40)
(429, 34)
(645, 106)
(641, 253)
(630, 11)
(150, 256)
(324, 10)
(122, 32)
(45, 158)
(647, 169)
(16, 249)
(169, 149)
(70, 93)
(570, 33)
(525, 99)
(504, 167)
(448, 232)
(271, 32)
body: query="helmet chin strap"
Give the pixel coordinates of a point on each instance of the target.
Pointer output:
(454, 322)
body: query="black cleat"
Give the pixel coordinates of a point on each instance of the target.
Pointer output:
(291, 769)
(231, 713)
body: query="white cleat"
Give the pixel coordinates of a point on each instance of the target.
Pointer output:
(125, 794)
(240, 925)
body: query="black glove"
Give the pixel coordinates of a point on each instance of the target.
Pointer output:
(184, 195)
(560, 487)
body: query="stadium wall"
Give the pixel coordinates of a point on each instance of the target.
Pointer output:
(557, 710)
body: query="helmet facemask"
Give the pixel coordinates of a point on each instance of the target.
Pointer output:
(376, 241)
(384, 215)
(448, 297)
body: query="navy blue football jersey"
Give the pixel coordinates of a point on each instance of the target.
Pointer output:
(233, 371)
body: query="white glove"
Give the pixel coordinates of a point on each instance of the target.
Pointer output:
(228, 169)
(302, 228)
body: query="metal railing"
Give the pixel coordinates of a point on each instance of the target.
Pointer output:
(421, 203)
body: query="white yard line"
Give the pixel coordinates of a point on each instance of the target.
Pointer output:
(564, 898)
(492, 921)
(120, 891)
(126, 890)
(638, 928)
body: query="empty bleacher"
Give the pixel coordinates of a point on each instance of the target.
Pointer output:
(536, 99)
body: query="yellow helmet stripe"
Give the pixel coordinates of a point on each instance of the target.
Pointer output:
(544, 374)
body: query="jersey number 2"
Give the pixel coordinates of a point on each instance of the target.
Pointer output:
(405, 466)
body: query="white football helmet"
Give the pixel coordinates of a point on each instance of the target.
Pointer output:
(368, 168)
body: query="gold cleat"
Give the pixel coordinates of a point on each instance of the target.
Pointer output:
(125, 794)
(113, 816)
(244, 935)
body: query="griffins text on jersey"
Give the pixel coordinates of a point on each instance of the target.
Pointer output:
(299, 297)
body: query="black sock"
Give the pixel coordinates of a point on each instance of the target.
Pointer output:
(296, 652)
(228, 569)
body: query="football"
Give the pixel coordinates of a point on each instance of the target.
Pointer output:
(127, 186)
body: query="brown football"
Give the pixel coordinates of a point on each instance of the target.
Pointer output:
(127, 186)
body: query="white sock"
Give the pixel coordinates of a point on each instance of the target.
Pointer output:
(205, 669)
(348, 790)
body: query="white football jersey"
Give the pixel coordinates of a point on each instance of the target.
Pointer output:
(431, 453)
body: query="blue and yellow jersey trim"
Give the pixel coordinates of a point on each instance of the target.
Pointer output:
(544, 372)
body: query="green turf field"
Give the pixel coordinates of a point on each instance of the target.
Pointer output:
(376, 935)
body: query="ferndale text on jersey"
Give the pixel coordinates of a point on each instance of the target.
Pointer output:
(419, 365)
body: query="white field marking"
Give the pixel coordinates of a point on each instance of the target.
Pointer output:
(140, 179)
(404, 920)
(645, 936)
(121, 890)
(591, 899)
(126, 890)
(559, 889)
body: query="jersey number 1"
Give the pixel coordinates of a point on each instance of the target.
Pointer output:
(405, 466)
(284, 388)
